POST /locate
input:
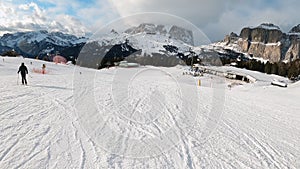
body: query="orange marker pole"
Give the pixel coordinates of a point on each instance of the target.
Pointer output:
(199, 82)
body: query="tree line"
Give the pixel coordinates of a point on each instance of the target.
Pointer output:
(290, 70)
(10, 53)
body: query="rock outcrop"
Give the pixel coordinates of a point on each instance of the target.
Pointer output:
(182, 34)
(267, 41)
(233, 37)
(295, 29)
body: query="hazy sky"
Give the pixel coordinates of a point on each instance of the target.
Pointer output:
(215, 18)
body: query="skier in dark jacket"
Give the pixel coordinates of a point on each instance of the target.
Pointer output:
(24, 71)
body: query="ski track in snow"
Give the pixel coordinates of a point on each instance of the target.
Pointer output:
(39, 128)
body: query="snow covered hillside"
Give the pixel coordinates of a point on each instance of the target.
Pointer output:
(76, 117)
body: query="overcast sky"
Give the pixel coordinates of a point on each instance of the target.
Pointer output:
(215, 18)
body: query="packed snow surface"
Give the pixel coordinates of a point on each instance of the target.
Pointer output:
(61, 119)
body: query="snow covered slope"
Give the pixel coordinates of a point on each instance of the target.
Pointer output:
(46, 124)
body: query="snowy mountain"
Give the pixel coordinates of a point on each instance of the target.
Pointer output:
(39, 43)
(153, 44)
(173, 32)
(151, 38)
(159, 45)
(295, 30)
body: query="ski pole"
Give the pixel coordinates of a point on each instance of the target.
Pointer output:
(18, 80)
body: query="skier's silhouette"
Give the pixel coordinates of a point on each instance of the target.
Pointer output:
(24, 71)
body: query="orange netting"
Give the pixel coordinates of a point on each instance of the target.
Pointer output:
(41, 71)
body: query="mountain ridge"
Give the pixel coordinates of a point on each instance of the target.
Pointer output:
(152, 44)
(267, 41)
(40, 43)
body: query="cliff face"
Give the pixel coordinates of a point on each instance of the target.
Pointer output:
(261, 34)
(293, 51)
(267, 41)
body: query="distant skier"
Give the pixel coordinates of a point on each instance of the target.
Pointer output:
(24, 71)
(43, 69)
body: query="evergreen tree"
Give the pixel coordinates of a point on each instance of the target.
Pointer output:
(274, 69)
(294, 70)
(261, 67)
(252, 65)
(12, 53)
(282, 69)
(268, 68)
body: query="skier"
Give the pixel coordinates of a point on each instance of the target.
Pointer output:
(43, 69)
(24, 71)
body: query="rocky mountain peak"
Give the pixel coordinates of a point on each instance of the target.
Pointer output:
(268, 42)
(182, 34)
(233, 35)
(295, 29)
(264, 33)
(114, 32)
(148, 28)
(269, 26)
(173, 31)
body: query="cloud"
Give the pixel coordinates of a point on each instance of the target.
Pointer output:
(214, 17)
(217, 18)
(202, 10)
(97, 15)
(30, 17)
(239, 15)
(72, 25)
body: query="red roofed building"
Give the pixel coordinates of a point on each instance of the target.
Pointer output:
(59, 59)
